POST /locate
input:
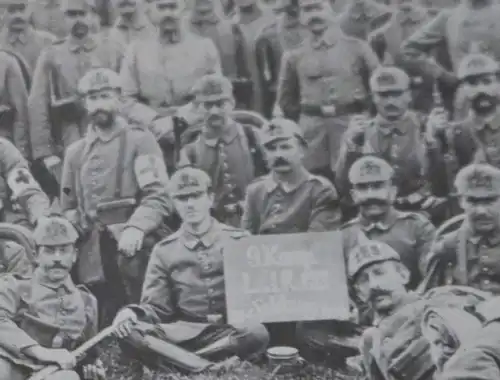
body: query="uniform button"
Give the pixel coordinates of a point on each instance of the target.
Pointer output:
(486, 282)
(485, 270)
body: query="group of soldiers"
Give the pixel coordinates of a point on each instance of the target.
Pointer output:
(135, 152)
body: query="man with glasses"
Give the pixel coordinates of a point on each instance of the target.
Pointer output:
(56, 116)
(227, 151)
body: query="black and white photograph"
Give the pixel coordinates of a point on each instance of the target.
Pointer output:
(249, 190)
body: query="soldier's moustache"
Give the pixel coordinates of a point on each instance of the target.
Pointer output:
(484, 104)
(80, 29)
(372, 201)
(280, 162)
(58, 265)
(377, 292)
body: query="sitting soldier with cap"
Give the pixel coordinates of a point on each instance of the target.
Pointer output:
(469, 255)
(290, 199)
(183, 297)
(395, 134)
(44, 315)
(229, 152)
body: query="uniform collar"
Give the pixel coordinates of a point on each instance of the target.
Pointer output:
(172, 38)
(207, 240)
(491, 240)
(198, 19)
(93, 133)
(232, 131)
(16, 38)
(41, 279)
(139, 23)
(328, 39)
(272, 184)
(397, 127)
(493, 123)
(87, 45)
(383, 225)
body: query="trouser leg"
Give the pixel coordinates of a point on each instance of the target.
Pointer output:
(63, 375)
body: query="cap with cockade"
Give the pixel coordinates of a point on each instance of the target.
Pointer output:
(390, 78)
(477, 64)
(213, 87)
(281, 129)
(189, 180)
(368, 169)
(478, 180)
(55, 230)
(98, 80)
(368, 253)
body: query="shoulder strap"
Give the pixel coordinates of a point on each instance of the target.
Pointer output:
(22, 65)
(259, 162)
(462, 256)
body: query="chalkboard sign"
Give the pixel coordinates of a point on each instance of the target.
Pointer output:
(278, 278)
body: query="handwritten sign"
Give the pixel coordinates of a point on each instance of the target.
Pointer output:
(279, 278)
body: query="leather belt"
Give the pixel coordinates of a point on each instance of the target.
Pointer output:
(333, 110)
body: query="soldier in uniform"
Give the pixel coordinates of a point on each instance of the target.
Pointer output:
(374, 192)
(468, 256)
(19, 36)
(44, 315)
(159, 73)
(453, 32)
(113, 191)
(183, 296)
(284, 34)
(289, 199)
(56, 118)
(48, 15)
(131, 23)
(475, 138)
(207, 19)
(386, 42)
(227, 151)
(394, 134)
(251, 17)
(321, 83)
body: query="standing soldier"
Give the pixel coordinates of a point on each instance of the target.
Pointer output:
(321, 83)
(48, 15)
(386, 42)
(183, 300)
(56, 117)
(251, 18)
(131, 24)
(468, 256)
(453, 32)
(44, 315)
(113, 218)
(374, 193)
(22, 38)
(361, 17)
(476, 138)
(284, 34)
(227, 151)
(289, 199)
(395, 134)
(206, 19)
(159, 73)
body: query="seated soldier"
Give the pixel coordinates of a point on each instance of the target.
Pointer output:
(183, 299)
(44, 315)
(469, 255)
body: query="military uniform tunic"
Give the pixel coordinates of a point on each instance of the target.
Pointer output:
(35, 312)
(55, 81)
(310, 205)
(327, 72)
(409, 234)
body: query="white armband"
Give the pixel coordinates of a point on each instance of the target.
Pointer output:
(20, 181)
(149, 169)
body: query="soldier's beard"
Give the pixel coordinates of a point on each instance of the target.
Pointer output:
(103, 119)
(484, 104)
(374, 209)
(80, 30)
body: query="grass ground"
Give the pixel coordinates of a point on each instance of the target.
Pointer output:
(117, 370)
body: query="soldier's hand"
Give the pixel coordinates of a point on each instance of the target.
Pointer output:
(94, 371)
(51, 162)
(124, 321)
(436, 122)
(131, 241)
(163, 129)
(354, 135)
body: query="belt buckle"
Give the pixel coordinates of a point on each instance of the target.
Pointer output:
(329, 110)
